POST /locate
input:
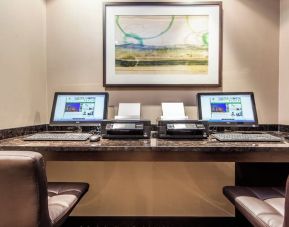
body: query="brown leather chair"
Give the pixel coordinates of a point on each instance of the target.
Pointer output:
(26, 199)
(261, 206)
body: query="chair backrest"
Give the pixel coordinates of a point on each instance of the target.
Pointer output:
(23, 190)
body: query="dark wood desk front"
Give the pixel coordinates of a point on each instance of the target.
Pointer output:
(155, 150)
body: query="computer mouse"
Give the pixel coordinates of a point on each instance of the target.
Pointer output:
(94, 138)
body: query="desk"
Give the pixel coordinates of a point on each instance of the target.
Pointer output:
(155, 150)
(245, 155)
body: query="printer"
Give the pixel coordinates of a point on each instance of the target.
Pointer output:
(174, 124)
(126, 129)
(183, 129)
(127, 124)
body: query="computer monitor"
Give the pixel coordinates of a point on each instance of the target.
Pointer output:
(228, 109)
(79, 108)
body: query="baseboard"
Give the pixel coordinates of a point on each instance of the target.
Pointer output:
(149, 221)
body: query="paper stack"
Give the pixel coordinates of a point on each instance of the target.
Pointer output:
(128, 111)
(173, 111)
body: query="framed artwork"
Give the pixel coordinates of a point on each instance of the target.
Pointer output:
(162, 44)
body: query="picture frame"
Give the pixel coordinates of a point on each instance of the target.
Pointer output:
(160, 44)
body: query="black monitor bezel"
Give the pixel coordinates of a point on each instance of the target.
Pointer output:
(58, 123)
(229, 124)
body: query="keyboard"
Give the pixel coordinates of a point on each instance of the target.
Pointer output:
(58, 137)
(239, 137)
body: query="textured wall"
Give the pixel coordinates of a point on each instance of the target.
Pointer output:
(250, 63)
(74, 63)
(283, 62)
(22, 63)
(149, 189)
(250, 54)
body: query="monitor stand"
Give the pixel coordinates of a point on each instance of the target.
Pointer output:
(216, 129)
(78, 129)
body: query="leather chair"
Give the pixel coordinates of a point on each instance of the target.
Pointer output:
(26, 199)
(261, 206)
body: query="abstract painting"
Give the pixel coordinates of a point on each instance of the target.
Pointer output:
(162, 45)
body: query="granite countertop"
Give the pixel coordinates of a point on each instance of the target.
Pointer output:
(209, 150)
(144, 144)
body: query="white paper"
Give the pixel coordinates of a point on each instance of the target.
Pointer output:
(128, 117)
(173, 111)
(180, 126)
(128, 111)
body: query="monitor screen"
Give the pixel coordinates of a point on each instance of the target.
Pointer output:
(227, 108)
(78, 108)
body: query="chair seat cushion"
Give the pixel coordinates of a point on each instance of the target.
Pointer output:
(262, 206)
(62, 198)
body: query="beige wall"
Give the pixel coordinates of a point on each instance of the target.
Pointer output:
(74, 63)
(22, 63)
(251, 41)
(149, 189)
(283, 62)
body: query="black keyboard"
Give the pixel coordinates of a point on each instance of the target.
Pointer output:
(239, 137)
(58, 137)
